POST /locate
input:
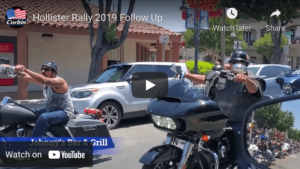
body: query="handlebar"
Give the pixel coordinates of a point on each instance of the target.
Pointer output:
(11, 71)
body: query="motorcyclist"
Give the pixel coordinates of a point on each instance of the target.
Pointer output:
(58, 107)
(234, 98)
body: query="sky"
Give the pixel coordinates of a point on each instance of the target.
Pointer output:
(294, 107)
(168, 9)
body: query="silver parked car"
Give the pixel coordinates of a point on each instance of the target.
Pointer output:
(111, 91)
(269, 72)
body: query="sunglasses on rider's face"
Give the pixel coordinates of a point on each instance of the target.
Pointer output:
(45, 69)
(237, 62)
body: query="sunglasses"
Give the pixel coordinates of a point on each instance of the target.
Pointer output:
(237, 62)
(45, 69)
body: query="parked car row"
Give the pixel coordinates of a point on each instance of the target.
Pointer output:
(111, 90)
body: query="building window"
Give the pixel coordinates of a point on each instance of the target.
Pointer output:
(291, 62)
(263, 32)
(292, 36)
(247, 36)
(180, 57)
(298, 62)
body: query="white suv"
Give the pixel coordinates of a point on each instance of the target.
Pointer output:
(111, 91)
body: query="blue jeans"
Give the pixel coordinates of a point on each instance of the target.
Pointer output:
(242, 163)
(47, 119)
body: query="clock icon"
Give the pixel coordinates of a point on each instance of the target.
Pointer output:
(232, 13)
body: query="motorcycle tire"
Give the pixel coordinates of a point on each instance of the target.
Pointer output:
(207, 159)
(159, 166)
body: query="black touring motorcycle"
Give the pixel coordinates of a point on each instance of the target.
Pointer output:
(195, 123)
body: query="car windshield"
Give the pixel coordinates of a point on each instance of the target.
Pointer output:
(297, 72)
(254, 70)
(184, 90)
(112, 74)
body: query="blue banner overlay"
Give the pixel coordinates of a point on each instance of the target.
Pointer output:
(58, 152)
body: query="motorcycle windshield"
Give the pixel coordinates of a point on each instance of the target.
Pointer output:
(185, 91)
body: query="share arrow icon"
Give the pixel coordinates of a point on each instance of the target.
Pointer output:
(277, 13)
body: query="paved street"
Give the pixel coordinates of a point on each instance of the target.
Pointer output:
(140, 136)
(289, 162)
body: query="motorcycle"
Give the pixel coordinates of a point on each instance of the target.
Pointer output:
(190, 118)
(17, 120)
(289, 82)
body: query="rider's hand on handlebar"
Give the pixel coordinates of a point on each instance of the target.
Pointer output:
(241, 78)
(20, 68)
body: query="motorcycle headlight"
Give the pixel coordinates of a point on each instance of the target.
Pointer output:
(165, 122)
(83, 93)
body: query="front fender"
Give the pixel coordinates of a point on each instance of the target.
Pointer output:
(110, 94)
(160, 154)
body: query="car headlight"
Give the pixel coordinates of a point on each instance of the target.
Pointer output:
(83, 93)
(165, 122)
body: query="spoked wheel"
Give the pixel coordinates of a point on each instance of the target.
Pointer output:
(163, 165)
(111, 114)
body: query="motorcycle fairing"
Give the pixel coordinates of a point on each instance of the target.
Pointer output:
(160, 154)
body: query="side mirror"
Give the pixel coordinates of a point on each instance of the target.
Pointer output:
(132, 77)
(129, 78)
(279, 109)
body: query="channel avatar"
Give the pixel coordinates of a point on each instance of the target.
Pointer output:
(16, 17)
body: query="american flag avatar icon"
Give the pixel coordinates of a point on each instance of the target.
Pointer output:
(16, 14)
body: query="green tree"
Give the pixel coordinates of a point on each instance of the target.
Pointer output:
(265, 46)
(261, 11)
(268, 116)
(106, 38)
(286, 121)
(211, 39)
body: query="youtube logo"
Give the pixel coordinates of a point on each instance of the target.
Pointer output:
(149, 85)
(53, 154)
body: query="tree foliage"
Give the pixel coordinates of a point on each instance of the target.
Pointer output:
(261, 11)
(294, 134)
(272, 117)
(106, 38)
(203, 67)
(268, 116)
(265, 46)
(211, 39)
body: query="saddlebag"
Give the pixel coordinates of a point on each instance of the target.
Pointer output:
(87, 128)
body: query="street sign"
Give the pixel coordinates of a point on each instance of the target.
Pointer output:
(237, 45)
(204, 20)
(164, 39)
(200, 16)
(190, 18)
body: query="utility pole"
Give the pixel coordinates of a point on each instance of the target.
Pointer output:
(197, 38)
(223, 39)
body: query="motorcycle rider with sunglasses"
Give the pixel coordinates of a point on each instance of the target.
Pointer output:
(58, 107)
(234, 97)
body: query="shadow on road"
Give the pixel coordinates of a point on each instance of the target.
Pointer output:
(136, 121)
(96, 161)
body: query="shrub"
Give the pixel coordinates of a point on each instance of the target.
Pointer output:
(202, 66)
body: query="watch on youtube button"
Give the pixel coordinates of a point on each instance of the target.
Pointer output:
(149, 85)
